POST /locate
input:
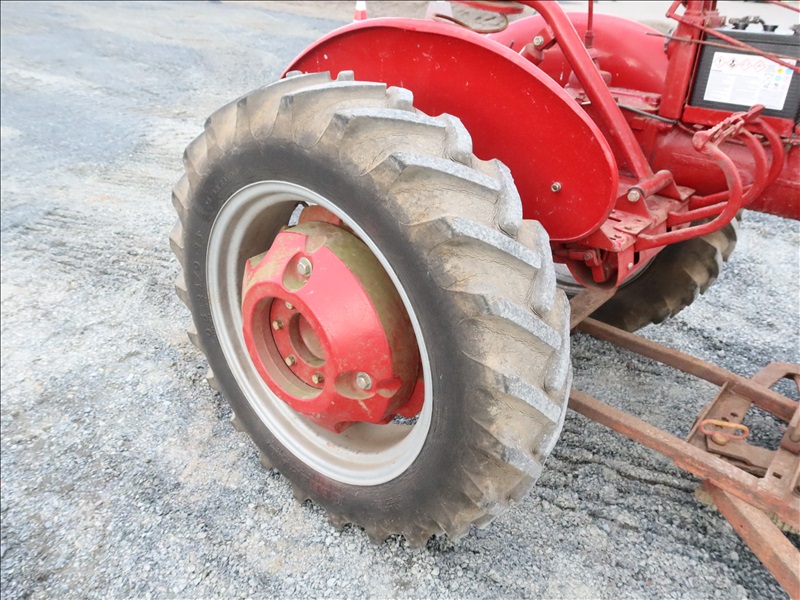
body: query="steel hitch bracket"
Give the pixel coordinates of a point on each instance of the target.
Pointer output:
(751, 486)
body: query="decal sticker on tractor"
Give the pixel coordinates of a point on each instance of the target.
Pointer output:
(747, 79)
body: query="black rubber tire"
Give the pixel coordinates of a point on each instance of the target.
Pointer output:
(480, 281)
(671, 282)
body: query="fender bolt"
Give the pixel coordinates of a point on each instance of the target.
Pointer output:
(634, 196)
(556, 187)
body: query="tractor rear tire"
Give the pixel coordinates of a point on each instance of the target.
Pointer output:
(673, 280)
(477, 282)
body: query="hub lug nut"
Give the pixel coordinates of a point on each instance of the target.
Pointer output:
(304, 267)
(317, 378)
(289, 305)
(277, 324)
(363, 381)
(290, 360)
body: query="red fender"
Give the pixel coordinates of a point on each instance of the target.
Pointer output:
(633, 53)
(513, 111)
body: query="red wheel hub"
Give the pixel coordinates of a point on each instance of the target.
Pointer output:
(327, 330)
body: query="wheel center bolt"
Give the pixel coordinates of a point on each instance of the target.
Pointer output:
(363, 381)
(304, 267)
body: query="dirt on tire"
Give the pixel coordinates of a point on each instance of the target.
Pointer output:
(450, 222)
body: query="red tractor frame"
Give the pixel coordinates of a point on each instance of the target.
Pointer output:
(368, 251)
(536, 97)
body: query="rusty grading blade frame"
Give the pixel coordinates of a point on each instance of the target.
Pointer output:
(746, 482)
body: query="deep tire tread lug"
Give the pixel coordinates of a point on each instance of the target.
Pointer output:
(194, 338)
(181, 290)
(265, 461)
(678, 275)
(236, 422)
(263, 105)
(176, 241)
(180, 197)
(338, 522)
(213, 382)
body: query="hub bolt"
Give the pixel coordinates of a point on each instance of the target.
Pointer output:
(277, 324)
(290, 360)
(304, 267)
(317, 378)
(363, 381)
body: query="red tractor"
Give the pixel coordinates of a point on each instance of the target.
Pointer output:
(376, 247)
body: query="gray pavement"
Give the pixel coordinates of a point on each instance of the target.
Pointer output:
(121, 475)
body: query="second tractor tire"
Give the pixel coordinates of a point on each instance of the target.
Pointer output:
(671, 282)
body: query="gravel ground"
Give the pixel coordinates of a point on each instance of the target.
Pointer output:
(121, 475)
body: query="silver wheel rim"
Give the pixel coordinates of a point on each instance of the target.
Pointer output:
(364, 454)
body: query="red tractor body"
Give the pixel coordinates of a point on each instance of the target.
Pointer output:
(605, 148)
